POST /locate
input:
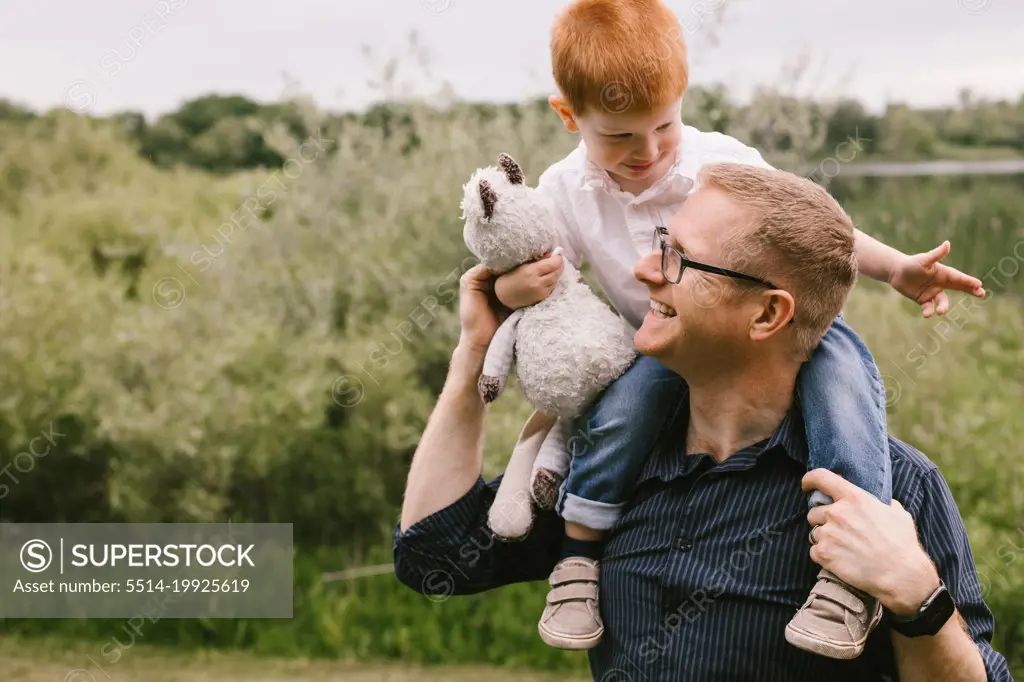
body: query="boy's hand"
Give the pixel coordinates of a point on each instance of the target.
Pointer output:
(530, 282)
(924, 280)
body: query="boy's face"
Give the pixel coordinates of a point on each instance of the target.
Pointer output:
(636, 148)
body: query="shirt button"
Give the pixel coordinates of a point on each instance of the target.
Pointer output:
(685, 544)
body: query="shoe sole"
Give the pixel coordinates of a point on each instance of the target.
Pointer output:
(569, 643)
(804, 640)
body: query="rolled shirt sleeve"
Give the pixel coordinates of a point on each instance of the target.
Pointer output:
(945, 540)
(453, 551)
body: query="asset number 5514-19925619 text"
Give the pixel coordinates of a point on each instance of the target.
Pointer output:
(187, 585)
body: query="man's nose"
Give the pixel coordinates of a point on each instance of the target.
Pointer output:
(648, 269)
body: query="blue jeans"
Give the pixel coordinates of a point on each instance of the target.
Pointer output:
(843, 401)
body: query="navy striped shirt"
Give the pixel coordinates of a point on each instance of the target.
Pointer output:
(707, 564)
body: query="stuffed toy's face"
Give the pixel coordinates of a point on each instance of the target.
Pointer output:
(507, 223)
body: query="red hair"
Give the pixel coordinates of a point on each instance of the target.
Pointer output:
(623, 55)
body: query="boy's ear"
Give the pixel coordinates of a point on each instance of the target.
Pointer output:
(564, 112)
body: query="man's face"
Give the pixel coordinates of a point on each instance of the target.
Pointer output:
(704, 320)
(635, 148)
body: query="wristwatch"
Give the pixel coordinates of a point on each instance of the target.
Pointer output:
(929, 619)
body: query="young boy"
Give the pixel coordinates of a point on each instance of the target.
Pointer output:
(620, 67)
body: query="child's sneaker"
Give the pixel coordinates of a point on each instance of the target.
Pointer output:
(571, 619)
(836, 619)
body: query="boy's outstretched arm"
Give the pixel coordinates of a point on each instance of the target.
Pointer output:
(920, 277)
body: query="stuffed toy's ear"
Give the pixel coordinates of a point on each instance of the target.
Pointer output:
(489, 198)
(513, 171)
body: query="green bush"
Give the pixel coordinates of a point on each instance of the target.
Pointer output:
(282, 368)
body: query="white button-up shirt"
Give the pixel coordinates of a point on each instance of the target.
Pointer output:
(613, 229)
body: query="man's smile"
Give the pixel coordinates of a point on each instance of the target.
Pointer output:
(661, 310)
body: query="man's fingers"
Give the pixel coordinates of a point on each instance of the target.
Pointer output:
(817, 515)
(941, 303)
(895, 504)
(817, 557)
(831, 484)
(928, 307)
(477, 277)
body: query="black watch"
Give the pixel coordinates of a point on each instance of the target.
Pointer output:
(929, 619)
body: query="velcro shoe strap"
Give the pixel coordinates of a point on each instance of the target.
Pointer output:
(572, 573)
(572, 592)
(839, 594)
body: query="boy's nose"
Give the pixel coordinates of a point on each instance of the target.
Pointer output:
(650, 148)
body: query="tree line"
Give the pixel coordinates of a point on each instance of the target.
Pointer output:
(225, 133)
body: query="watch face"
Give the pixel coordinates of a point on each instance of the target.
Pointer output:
(932, 616)
(939, 611)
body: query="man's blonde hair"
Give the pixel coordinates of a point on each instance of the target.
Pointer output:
(799, 238)
(619, 55)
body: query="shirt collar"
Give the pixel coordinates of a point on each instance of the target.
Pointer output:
(678, 181)
(669, 461)
(790, 435)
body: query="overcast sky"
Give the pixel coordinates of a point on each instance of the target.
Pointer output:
(151, 55)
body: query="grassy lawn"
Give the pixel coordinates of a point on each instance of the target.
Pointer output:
(32, 660)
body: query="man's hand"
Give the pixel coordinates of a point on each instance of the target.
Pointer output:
(924, 280)
(530, 282)
(872, 546)
(480, 312)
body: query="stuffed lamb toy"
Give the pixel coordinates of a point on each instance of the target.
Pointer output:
(567, 348)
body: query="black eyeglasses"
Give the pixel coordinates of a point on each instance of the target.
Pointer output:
(673, 263)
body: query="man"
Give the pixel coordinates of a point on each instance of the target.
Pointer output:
(709, 560)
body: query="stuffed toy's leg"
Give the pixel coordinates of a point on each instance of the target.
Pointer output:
(511, 515)
(498, 361)
(552, 465)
